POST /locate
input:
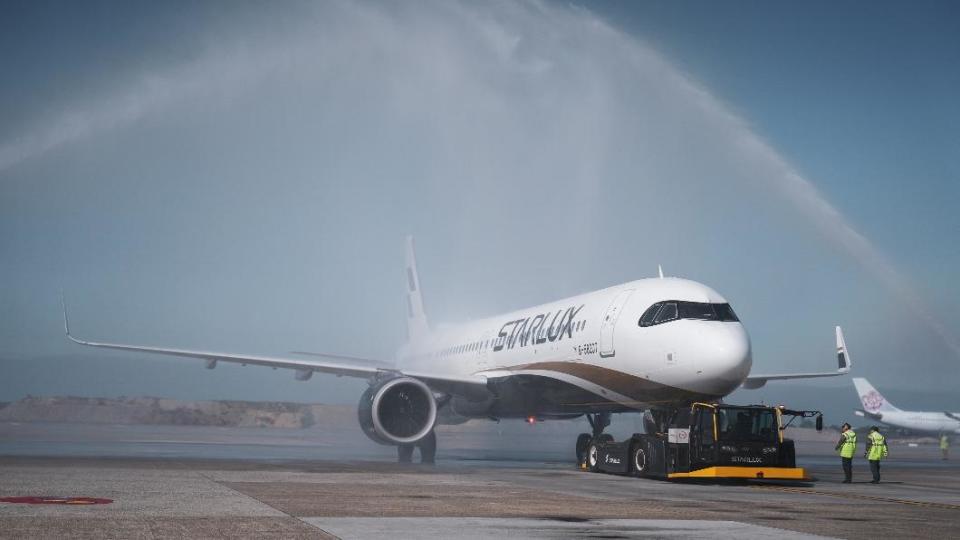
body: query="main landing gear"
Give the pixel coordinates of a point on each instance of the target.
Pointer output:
(428, 450)
(587, 442)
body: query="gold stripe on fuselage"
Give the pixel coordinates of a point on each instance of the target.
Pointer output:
(639, 390)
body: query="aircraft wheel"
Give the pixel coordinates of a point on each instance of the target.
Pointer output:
(405, 453)
(583, 442)
(428, 448)
(593, 457)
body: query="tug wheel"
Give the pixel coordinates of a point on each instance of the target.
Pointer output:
(583, 442)
(639, 460)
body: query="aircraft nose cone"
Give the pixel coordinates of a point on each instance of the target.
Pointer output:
(727, 358)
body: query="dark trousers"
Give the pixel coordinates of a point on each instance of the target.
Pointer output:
(875, 469)
(847, 469)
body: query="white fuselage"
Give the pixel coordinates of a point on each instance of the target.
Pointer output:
(922, 421)
(594, 342)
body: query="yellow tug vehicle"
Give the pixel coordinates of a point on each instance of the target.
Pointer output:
(708, 441)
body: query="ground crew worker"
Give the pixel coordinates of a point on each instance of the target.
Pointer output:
(944, 445)
(847, 445)
(875, 451)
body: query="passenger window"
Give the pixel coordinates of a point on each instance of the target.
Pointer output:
(667, 313)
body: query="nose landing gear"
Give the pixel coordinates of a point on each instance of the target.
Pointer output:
(586, 442)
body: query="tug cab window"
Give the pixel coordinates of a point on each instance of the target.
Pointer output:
(747, 425)
(671, 310)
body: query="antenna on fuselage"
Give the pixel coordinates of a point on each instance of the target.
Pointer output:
(660, 269)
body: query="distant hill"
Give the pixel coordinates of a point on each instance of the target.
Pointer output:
(152, 410)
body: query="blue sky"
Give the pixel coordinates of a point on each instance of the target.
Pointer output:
(240, 176)
(859, 95)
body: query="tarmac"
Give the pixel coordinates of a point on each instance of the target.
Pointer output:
(183, 482)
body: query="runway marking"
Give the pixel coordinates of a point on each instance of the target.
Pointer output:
(476, 528)
(927, 504)
(55, 500)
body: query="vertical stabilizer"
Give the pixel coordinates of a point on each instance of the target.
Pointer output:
(416, 317)
(873, 402)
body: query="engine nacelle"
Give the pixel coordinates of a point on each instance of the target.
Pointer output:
(401, 410)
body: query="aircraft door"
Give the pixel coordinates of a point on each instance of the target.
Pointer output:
(609, 323)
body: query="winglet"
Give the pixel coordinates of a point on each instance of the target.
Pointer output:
(660, 270)
(843, 356)
(66, 322)
(843, 359)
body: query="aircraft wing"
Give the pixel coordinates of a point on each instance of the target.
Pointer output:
(843, 361)
(471, 386)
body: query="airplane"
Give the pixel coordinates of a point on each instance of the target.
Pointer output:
(876, 407)
(648, 346)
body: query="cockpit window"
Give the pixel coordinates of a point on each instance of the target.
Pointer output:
(725, 312)
(670, 310)
(707, 312)
(696, 310)
(650, 314)
(667, 313)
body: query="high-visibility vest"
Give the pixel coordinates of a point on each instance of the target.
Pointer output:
(944, 443)
(878, 446)
(849, 446)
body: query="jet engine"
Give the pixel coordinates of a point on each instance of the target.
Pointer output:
(401, 410)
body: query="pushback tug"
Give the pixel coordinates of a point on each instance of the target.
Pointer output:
(707, 441)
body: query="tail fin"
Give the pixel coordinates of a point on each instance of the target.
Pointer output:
(416, 317)
(873, 402)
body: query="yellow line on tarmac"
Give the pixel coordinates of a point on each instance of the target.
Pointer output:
(946, 506)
